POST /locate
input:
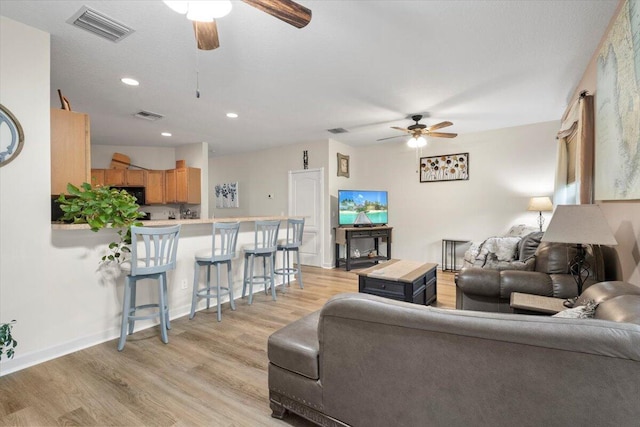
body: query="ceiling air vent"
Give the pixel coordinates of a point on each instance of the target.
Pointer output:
(148, 115)
(338, 130)
(99, 24)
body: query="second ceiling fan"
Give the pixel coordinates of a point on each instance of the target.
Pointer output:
(418, 131)
(203, 14)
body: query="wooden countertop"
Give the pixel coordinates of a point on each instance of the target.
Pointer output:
(164, 222)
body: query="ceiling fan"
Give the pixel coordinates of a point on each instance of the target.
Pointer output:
(418, 131)
(204, 13)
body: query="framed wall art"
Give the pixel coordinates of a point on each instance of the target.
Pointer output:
(343, 165)
(447, 167)
(227, 195)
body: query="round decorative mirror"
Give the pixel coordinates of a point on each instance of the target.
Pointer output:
(11, 136)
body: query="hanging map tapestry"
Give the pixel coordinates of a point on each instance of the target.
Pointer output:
(617, 154)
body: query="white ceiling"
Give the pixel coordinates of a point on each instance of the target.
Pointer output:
(360, 65)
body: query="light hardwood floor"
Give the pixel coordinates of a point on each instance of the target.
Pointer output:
(210, 373)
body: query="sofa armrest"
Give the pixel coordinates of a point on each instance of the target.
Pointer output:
(479, 281)
(527, 282)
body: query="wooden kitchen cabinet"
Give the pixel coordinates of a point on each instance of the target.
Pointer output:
(97, 177)
(70, 150)
(135, 177)
(155, 187)
(183, 186)
(125, 177)
(170, 182)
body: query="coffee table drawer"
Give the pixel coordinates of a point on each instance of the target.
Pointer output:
(387, 286)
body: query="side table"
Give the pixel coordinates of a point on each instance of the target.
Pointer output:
(535, 304)
(449, 246)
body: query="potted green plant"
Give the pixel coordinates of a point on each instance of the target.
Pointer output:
(7, 343)
(101, 207)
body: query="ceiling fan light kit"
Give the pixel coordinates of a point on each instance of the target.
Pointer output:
(201, 11)
(418, 131)
(204, 13)
(417, 142)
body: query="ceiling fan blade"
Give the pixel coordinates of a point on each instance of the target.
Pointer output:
(391, 137)
(285, 10)
(401, 129)
(206, 35)
(439, 125)
(442, 134)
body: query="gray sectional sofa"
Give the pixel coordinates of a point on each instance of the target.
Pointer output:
(367, 361)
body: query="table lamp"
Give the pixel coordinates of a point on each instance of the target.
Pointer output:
(540, 204)
(579, 225)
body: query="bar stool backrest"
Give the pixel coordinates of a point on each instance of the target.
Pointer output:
(153, 249)
(228, 232)
(295, 228)
(266, 236)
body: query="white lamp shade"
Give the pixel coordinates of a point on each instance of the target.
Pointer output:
(540, 204)
(584, 224)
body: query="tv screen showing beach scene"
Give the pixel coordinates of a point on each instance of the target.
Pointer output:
(363, 207)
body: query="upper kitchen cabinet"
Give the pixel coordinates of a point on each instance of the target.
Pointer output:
(97, 177)
(155, 187)
(125, 177)
(70, 150)
(183, 185)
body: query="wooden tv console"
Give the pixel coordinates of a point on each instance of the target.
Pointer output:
(345, 235)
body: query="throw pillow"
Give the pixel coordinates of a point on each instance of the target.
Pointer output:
(495, 264)
(520, 230)
(586, 311)
(504, 248)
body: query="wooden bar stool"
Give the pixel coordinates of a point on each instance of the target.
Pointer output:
(292, 243)
(228, 235)
(265, 246)
(155, 256)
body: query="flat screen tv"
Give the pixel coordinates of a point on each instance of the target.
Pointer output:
(363, 207)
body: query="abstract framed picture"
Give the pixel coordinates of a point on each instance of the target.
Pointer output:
(446, 167)
(617, 110)
(227, 195)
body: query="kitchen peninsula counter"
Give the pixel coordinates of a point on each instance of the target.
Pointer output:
(185, 222)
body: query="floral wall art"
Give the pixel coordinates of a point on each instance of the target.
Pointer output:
(227, 195)
(448, 167)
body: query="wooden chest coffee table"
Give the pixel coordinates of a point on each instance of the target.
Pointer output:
(409, 281)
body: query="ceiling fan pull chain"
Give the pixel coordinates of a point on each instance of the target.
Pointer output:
(197, 76)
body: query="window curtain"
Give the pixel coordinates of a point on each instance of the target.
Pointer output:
(576, 141)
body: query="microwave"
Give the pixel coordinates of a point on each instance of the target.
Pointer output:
(137, 192)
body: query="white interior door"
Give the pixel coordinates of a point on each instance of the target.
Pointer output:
(306, 199)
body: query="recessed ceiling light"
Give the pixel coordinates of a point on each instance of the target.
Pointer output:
(165, 134)
(130, 82)
(232, 115)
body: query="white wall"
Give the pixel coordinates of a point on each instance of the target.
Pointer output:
(159, 158)
(506, 168)
(27, 264)
(260, 173)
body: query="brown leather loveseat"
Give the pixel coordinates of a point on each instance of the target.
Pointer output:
(487, 289)
(368, 361)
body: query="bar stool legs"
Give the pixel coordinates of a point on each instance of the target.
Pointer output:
(217, 254)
